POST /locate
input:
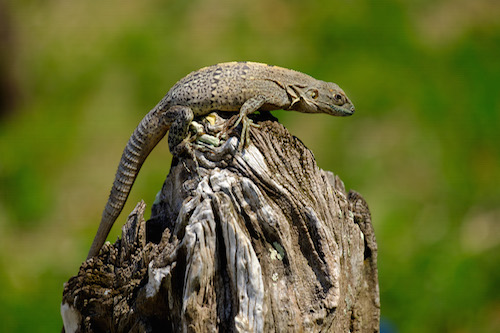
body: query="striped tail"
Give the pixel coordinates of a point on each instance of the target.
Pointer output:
(146, 136)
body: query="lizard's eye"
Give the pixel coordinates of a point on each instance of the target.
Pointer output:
(314, 94)
(339, 98)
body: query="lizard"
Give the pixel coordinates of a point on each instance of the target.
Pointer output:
(242, 87)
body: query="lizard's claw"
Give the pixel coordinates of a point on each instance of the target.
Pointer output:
(244, 136)
(245, 133)
(237, 122)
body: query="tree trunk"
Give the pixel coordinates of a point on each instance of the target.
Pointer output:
(258, 241)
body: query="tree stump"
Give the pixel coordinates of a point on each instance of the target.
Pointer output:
(254, 241)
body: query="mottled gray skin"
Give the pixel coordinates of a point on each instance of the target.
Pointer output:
(243, 87)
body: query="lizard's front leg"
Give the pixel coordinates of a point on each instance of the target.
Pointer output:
(249, 107)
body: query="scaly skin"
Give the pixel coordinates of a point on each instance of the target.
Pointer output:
(243, 87)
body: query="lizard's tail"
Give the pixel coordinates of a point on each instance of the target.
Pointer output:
(145, 137)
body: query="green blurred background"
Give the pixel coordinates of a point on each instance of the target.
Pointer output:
(423, 147)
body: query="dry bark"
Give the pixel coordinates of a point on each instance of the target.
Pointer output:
(263, 241)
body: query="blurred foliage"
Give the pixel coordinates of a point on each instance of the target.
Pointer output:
(423, 147)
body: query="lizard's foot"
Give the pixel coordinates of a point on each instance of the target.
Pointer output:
(195, 130)
(200, 132)
(245, 133)
(244, 136)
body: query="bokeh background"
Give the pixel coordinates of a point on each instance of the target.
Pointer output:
(423, 148)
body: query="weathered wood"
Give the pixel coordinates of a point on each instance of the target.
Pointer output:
(263, 241)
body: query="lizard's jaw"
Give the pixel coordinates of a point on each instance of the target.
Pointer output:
(342, 111)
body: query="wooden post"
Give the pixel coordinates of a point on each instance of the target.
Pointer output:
(259, 241)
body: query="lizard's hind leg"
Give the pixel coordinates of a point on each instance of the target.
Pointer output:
(179, 139)
(180, 117)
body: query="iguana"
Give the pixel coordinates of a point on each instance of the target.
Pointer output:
(243, 87)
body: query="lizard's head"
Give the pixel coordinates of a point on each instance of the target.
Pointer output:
(322, 97)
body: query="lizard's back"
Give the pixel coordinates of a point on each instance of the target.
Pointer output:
(227, 86)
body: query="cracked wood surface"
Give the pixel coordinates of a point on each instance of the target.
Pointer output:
(262, 241)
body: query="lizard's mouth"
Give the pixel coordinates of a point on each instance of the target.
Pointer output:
(342, 111)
